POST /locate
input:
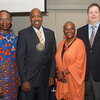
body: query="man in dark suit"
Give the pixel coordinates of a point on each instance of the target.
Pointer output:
(91, 38)
(36, 58)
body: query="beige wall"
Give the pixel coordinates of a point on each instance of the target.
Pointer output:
(70, 4)
(55, 18)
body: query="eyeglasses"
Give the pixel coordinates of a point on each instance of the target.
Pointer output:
(5, 19)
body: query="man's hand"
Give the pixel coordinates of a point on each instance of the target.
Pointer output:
(51, 81)
(26, 86)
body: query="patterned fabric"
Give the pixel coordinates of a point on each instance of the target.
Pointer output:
(8, 70)
(40, 37)
(92, 36)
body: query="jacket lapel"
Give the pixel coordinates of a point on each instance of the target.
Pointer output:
(86, 36)
(46, 36)
(33, 34)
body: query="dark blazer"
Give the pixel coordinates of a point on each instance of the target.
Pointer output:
(36, 66)
(93, 54)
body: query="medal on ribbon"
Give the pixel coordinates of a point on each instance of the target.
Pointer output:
(40, 47)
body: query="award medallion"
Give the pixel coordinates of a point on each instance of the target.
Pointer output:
(40, 47)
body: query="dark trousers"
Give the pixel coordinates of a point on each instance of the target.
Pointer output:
(52, 91)
(19, 97)
(92, 89)
(37, 93)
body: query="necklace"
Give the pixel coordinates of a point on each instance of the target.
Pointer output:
(67, 45)
(10, 39)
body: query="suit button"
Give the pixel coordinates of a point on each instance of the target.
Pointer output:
(91, 51)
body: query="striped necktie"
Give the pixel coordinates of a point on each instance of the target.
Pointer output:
(40, 37)
(92, 36)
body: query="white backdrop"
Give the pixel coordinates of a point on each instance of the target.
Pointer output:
(22, 5)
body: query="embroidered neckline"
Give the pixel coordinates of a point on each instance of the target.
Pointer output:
(10, 38)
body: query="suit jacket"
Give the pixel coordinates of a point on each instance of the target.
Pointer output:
(93, 54)
(36, 66)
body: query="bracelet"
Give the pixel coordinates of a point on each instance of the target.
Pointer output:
(66, 73)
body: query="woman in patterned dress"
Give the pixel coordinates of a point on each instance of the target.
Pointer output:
(8, 70)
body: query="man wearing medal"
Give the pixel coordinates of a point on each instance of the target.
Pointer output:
(36, 58)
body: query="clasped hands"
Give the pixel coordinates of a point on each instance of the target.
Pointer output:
(61, 76)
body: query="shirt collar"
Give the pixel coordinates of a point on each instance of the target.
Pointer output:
(36, 30)
(97, 25)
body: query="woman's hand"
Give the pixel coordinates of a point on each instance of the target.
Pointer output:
(1, 93)
(66, 72)
(60, 75)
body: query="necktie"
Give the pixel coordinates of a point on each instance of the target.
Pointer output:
(40, 37)
(92, 36)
